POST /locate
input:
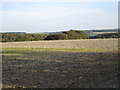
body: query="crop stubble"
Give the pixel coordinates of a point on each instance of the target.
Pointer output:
(82, 44)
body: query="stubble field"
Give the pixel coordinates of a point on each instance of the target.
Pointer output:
(60, 64)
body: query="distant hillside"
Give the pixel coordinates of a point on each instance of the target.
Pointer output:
(102, 31)
(106, 35)
(16, 32)
(51, 33)
(106, 30)
(88, 32)
(63, 35)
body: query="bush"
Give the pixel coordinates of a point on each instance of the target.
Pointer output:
(8, 37)
(23, 37)
(74, 34)
(13, 37)
(60, 36)
(37, 37)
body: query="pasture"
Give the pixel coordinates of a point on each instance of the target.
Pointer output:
(60, 64)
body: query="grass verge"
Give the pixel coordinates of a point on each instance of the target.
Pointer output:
(28, 50)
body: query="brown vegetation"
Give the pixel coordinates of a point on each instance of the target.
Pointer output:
(81, 44)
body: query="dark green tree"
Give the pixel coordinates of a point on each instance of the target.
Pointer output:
(60, 36)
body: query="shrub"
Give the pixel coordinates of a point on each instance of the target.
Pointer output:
(13, 37)
(74, 34)
(60, 36)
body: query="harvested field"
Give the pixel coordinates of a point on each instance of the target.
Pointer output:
(69, 66)
(82, 44)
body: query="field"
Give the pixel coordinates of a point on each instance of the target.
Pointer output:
(60, 64)
(102, 32)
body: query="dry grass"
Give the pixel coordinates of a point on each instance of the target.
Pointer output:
(11, 54)
(81, 44)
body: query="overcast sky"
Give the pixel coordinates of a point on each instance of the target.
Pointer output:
(58, 16)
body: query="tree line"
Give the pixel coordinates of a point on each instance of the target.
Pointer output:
(67, 35)
(106, 35)
(72, 34)
(14, 37)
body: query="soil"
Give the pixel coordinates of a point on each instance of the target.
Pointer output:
(61, 70)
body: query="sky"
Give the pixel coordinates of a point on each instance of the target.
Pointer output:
(54, 16)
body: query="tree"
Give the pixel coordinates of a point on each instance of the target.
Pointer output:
(60, 36)
(74, 34)
(23, 37)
